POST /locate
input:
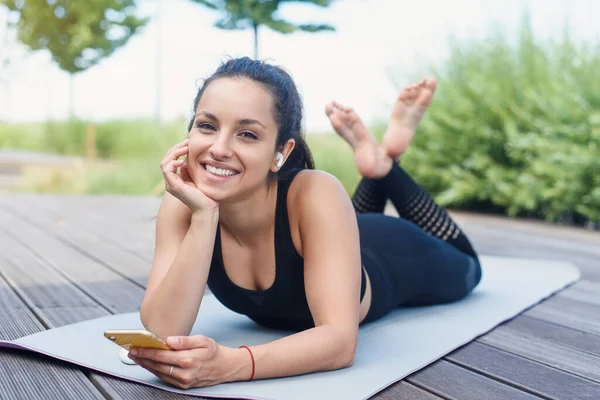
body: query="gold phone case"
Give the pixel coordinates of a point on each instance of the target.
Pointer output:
(136, 338)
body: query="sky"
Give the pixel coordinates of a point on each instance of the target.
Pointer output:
(376, 46)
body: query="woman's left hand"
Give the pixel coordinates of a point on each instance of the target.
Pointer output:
(197, 361)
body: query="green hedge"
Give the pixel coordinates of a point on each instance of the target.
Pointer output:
(514, 128)
(119, 140)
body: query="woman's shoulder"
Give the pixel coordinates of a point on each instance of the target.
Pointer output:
(317, 201)
(314, 179)
(312, 187)
(315, 198)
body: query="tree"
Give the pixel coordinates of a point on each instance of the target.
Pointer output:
(244, 14)
(78, 34)
(10, 58)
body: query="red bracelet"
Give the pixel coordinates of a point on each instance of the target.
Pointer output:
(252, 357)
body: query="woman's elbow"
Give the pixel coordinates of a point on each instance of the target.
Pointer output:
(145, 318)
(149, 321)
(345, 359)
(349, 355)
(163, 329)
(347, 350)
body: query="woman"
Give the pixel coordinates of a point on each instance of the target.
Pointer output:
(281, 242)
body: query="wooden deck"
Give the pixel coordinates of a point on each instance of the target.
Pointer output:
(65, 259)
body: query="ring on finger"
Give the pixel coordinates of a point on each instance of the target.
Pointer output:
(171, 370)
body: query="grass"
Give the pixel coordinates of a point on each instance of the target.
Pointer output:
(129, 154)
(115, 140)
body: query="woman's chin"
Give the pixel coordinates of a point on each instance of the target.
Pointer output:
(216, 195)
(211, 191)
(216, 191)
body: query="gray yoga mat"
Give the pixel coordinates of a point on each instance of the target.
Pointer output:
(401, 343)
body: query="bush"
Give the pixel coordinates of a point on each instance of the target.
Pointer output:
(118, 140)
(514, 128)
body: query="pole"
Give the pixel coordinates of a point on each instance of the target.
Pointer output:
(159, 56)
(255, 41)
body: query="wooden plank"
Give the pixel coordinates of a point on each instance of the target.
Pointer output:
(508, 238)
(123, 208)
(530, 226)
(401, 390)
(15, 319)
(129, 234)
(100, 216)
(534, 240)
(539, 231)
(587, 264)
(451, 381)
(25, 375)
(584, 291)
(567, 312)
(123, 389)
(128, 212)
(524, 374)
(557, 334)
(126, 263)
(555, 355)
(49, 293)
(405, 391)
(102, 284)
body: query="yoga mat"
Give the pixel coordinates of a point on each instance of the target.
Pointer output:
(401, 343)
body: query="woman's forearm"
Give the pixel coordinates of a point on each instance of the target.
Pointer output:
(322, 348)
(172, 308)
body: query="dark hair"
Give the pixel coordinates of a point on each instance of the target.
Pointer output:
(286, 99)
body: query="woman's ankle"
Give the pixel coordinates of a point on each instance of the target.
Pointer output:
(388, 164)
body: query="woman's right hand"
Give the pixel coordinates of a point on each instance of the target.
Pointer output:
(181, 185)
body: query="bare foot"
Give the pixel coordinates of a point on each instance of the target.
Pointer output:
(412, 103)
(371, 160)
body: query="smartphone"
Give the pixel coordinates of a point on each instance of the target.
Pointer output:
(136, 338)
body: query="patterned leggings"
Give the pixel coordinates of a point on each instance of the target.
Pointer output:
(420, 258)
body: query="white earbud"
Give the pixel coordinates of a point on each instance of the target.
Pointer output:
(279, 158)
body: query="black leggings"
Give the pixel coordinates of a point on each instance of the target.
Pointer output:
(421, 258)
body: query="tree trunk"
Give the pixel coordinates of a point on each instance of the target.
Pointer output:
(4, 101)
(159, 58)
(255, 41)
(71, 97)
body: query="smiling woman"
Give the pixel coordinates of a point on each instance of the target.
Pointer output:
(246, 214)
(243, 110)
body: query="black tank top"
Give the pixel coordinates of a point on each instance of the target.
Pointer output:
(284, 304)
